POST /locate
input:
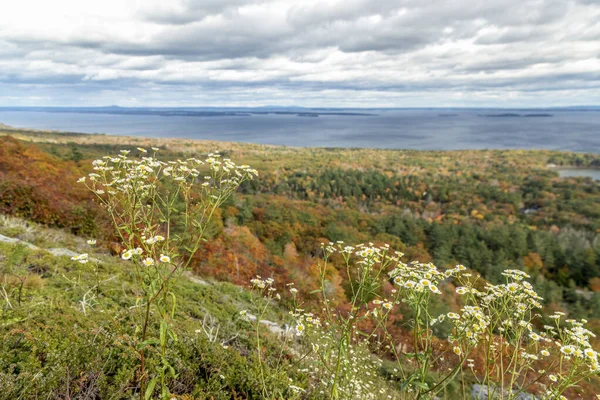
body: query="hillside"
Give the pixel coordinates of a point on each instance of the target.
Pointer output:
(57, 330)
(488, 210)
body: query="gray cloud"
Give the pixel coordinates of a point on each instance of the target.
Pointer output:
(324, 51)
(188, 11)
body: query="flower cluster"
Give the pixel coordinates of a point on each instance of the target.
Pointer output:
(469, 325)
(385, 304)
(265, 287)
(570, 341)
(304, 321)
(259, 283)
(573, 341)
(357, 377)
(418, 277)
(123, 174)
(118, 181)
(517, 291)
(368, 255)
(148, 261)
(81, 258)
(129, 254)
(154, 239)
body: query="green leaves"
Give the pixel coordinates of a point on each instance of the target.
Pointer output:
(147, 342)
(163, 333)
(150, 388)
(174, 306)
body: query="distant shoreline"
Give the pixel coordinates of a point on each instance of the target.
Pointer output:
(303, 109)
(186, 112)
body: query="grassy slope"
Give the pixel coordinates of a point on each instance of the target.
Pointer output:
(58, 336)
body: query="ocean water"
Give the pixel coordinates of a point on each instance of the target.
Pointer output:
(424, 129)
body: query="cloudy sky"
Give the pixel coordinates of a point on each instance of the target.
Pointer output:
(358, 53)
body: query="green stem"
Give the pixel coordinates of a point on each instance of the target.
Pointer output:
(142, 376)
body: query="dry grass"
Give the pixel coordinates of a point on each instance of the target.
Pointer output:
(37, 234)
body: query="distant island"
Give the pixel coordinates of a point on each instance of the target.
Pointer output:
(515, 115)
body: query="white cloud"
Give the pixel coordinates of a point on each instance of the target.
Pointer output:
(309, 52)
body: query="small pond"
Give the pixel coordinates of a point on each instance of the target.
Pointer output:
(570, 172)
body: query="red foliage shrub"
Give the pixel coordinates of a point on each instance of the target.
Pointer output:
(42, 188)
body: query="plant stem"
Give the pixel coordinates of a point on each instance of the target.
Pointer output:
(142, 376)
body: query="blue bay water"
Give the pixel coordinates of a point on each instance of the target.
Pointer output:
(423, 129)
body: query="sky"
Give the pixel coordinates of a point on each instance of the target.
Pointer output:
(316, 53)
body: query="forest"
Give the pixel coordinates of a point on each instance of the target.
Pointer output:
(488, 210)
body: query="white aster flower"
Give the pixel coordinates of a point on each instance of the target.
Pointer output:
(148, 261)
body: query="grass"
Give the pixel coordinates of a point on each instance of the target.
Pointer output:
(65, 338)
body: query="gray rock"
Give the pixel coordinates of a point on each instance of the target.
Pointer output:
(195, 279)
(58, 251)
(480, 392)
(7, 239)
(274, 327)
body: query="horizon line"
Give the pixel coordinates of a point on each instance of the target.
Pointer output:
(312, 107)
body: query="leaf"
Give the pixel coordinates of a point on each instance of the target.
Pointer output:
(174, 304)
(165, 392)
(421, 385)
(173, 336)
(315, 291)
(406, 383)
(163, 334)
(150, 388)
(147, 342)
